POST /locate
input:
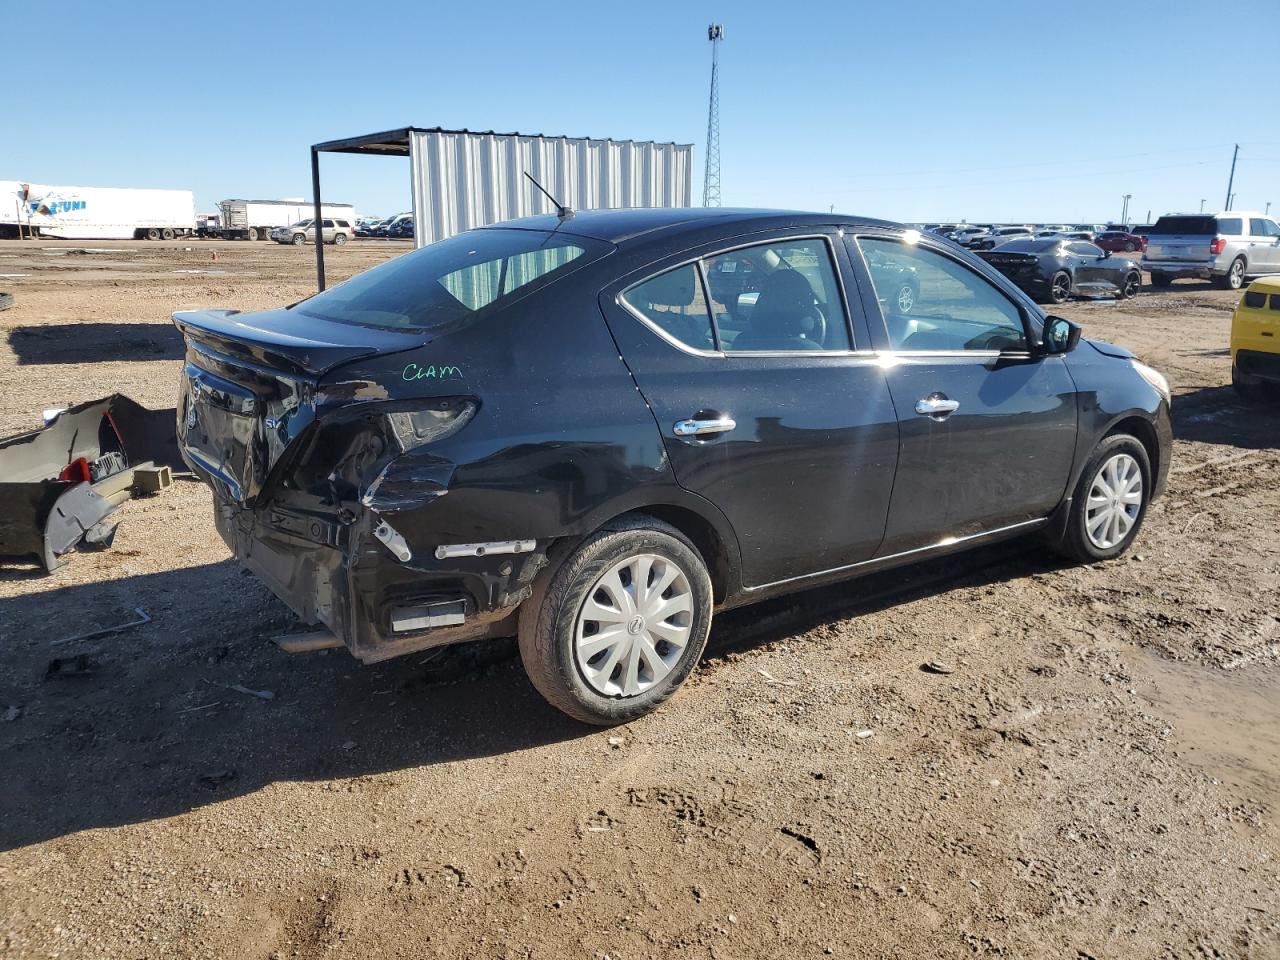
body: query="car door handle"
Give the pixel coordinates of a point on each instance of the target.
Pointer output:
(937, 405)
(701, 428)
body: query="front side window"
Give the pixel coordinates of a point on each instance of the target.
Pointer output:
(1260, 227)
(1083, 248)
(451, 280)
(777, 296)
(954, 308)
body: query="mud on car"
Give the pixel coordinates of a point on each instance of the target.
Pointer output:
(594, 431)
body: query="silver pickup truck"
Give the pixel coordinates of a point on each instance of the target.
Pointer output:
(1224, 247)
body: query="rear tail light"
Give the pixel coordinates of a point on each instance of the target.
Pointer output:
(1216, 246)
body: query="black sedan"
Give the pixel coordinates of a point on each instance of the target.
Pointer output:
(593, 432)
(1052, 270)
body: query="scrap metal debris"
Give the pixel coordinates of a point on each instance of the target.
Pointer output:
(59, 484)
(94, 635)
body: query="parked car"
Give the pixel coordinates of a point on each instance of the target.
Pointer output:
(1113, 241)
(998, 236)
(967, 234)
(1053, 270)
(365, 226)
(1255, 341)
(1226, 248)
(547, 428)
(334, 231)
(402, 229)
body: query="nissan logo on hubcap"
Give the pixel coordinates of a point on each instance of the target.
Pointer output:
(635, 625)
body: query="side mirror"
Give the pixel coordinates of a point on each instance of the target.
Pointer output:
(1060, 335)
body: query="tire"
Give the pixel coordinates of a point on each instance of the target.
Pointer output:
(253, 233)
(1161, 280)
(6, 301)
(339, 239)
(1130, 246)
(166, 234)
(1234, 277)
(554, 617)
(1077, 542)
(1131, 285)
(1246, 387)
(1060, 287)
(299, 239)
(153, 234)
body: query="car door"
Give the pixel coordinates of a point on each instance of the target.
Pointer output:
(1264, 245)
(987, 424)
(1089, 267)
(766, 406)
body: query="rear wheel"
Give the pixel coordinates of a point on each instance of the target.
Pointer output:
(166, 234)
(1161, 280)
(1234, 278)
(253, 233)
(1060, 287)
(339, 239)
(1110, 501)
(153, 234)
(1129, 246)
(620, 624)
(1131, 285)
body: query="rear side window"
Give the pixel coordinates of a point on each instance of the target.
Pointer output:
(1231, 226)
(452, 280)
(673, 303)
(1255, 299)
(1082, 248)
(954, 309)
(776, 297)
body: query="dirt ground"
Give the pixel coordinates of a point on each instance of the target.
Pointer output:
(1098, 777)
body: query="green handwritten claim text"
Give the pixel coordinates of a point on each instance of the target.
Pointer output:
(413, 371)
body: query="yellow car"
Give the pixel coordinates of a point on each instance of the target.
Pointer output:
(1255, 340)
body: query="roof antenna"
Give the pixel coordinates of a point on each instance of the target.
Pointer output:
(563, 212)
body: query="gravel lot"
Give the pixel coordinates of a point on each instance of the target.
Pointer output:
(1098, 777)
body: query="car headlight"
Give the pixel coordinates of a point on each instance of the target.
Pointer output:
(1153, 377)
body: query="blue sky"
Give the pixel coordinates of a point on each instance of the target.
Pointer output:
(909, 110)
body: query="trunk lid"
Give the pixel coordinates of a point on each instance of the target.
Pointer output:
(1184, 237)
(1016, 266)
(249, 384)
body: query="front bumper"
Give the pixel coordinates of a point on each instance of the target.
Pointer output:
(340, 575)
(1258, 365)
(1200, 269)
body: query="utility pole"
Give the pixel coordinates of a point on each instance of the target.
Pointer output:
(1231, 179)
(711, 174)
(1267, 212)
(1202, 205)
(1124, 214)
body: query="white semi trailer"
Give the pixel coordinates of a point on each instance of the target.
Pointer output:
(94, 213)
(255, 219)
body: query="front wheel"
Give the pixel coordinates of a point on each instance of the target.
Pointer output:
(1247, 387)
(1110, 501)
(299, 239)
(1131, 285)
(1060, 287)
(620, 624)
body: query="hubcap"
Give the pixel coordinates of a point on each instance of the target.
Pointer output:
(1115, 500)
(633, 626)
(1061, 288)
(1237, 273)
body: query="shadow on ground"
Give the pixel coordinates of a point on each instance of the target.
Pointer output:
(95, 342)
(146, 725)
(1220, 415)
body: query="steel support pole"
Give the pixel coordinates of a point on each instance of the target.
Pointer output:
(317, 218)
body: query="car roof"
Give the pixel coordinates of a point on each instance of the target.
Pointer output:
(620, 226)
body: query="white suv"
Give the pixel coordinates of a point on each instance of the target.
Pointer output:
(1224, 247)
(334, 231)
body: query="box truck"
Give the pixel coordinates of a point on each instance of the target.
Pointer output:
(255, 219)
(94, 213)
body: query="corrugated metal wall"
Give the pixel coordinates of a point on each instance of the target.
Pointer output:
(465, 180)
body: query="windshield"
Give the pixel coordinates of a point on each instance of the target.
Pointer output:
(451, 280)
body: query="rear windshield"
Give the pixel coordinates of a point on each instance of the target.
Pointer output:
(1195, 225)
(452, 280)
(1028, 246)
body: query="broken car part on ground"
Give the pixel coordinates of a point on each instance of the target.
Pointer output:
(60, 484)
